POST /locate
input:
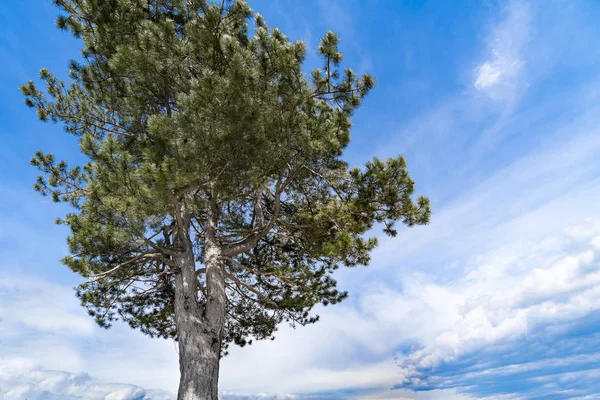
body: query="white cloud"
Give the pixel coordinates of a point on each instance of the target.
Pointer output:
(506, 44)
(50, 307)
(258, 396)
(398, 394)
(43, 322)
(488, 75)
(509, 293)
(22, 380)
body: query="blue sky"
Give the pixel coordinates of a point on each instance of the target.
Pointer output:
(496, 106)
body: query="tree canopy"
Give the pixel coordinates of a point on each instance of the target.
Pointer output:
(198, 121)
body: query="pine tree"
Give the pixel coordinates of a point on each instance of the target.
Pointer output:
(214, 204)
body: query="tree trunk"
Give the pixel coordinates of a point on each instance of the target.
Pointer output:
(199, 327)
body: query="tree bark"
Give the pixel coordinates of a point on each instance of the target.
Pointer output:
(199, 327)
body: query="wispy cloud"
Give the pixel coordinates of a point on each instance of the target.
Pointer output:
(498, 75)
(50, 308)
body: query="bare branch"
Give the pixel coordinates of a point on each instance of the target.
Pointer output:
(97, 277)
(156, 247)
(261, 296)
(144, 292)
(338, 194)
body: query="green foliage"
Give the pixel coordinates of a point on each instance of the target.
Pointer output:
(176, 105)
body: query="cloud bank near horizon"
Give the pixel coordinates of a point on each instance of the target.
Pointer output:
(21, 379)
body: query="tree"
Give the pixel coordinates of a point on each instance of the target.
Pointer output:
(214, 203)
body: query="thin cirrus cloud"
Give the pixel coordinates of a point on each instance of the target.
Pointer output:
(506, 43)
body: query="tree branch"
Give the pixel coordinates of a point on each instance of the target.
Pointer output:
(112, 303)
(261, 296)
(98, 277)
(255, 272)
(247, 243)
(327, 181)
